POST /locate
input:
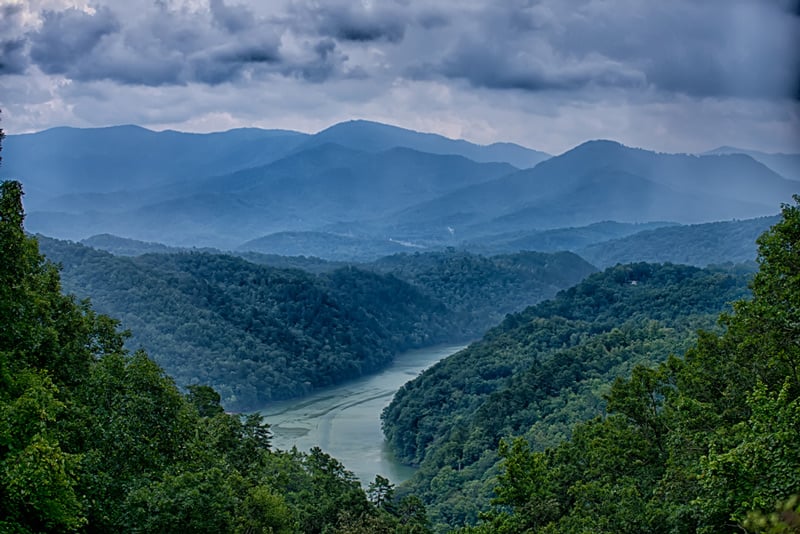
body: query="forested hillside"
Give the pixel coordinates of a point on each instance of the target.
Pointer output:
(96, 439)
(540, 372)
(258, 333)
(706, 442)
(482, 290)
(695, 244)
(255, 332)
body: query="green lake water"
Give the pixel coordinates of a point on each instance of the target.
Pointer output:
(344, 421)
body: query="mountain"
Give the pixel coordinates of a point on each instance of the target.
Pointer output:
(121, 246)
(378, 184)
(126, 158)
(787, 165)
(481, 290)
(333, 247)
(604, 180)
(377, 137)
(570, 238)
(697, 244)
(303, 191)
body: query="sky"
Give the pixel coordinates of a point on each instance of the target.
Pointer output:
(673, 76)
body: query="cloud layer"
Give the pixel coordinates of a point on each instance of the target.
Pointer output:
(480, 55)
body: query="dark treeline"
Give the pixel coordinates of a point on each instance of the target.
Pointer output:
(255, 333)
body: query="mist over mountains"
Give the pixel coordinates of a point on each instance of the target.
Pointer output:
(360, 190)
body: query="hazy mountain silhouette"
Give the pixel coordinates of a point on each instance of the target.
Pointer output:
(787, 165)
(604, 180)
(370, 182)
(376, 137)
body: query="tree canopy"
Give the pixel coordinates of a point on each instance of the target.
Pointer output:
(707, 442)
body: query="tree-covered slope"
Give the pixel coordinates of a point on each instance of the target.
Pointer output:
(706, 442)
(481, 290)
(542, 370)
(95, 439)
(258, 333)
(254, 332)
(696, 244)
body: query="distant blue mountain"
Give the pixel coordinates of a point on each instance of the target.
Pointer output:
(604, 180)
(125, 158)
(787, 165)
(376, 137)
(696, 244)
(380, 184)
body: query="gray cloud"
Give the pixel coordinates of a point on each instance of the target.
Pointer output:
(486, 65)
(233, 18)
(68, 36)
(13, 44)
(714, 48)
(13, 57)
(471, 66)
(353, 21)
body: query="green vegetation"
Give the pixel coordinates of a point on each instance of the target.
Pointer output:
(695, 244)
(707, 442)
(95, 439)
(253, 332)
(257, 333)
(480, 290)
(540, 372)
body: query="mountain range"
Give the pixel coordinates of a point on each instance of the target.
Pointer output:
(359, 189)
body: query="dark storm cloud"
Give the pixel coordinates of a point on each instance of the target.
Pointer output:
(233, 18)
(321, 67)
(69, 35)
(159, 47)
(13, 44)
(717, 48)
(713, 48)
(353, 21)
(486, 65)
(13, 57)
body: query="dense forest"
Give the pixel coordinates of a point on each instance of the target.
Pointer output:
(257, 333)
(694, 244)
(703, 442)
(96, 439)
(707, 442)
(481, 290)
(542, 370)
(253, 332)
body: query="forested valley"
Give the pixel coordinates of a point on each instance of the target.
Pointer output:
(642, 398)
(94, 438)
(258, 333)
(603, 411)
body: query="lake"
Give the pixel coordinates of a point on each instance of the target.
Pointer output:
(345, 420)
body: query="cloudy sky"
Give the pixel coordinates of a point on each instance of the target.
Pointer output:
(676, 75)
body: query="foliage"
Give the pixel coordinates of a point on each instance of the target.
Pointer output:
(96, 439)
(704, 443)
(540, 372)
(695, 244)
(481, 290)
(257, 333)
